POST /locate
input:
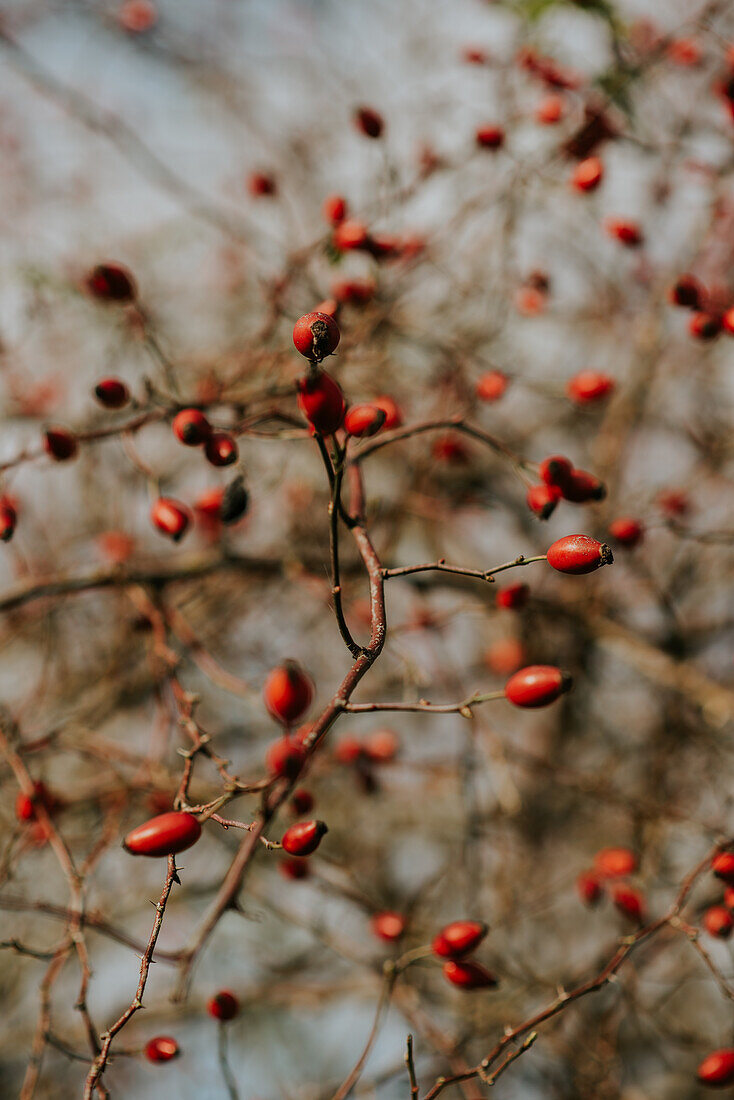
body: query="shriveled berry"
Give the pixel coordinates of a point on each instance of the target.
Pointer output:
(364, 420)
(717, 1068)
(60, 444)
(288, 692)
(579, 554)
(304, 838)
(170, 517)
(459, 938)
(112, 393)
(469, 975)
(626, 531)
(161, 1049)
(512, 597)
(221, 449)
(164, 835)
(223, 1006)
(316, 335)
(537, 685)
(388, 926)
(615, 862)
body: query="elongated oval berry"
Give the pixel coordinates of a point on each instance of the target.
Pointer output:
(364, 420)
(60, 444)
(301, 802)
(369, 122)
(8, 519)
(717, 1068)
(334, 209)
(588, 386)
(626, 232)
(321, 401)
(304, 838)
(25, 804)
(629, 902)
(589, 888)
(316, 335)
(288, 692)
(393, 415)
(505, 656)
(388, 926)
(191, 427)
(469, 975)
(170, 517)
(491, 386)
(580, 487)
(626, 531)
(615, 862)
(588, 174)
(723, 867)
(164, 835)
(235, 501)
(111, 282)
(112, 393)
(490, 137)
(223, 1006)
(537, 685)
(512, 597)
(717, 921)
(555, 470)
(161, 1049)
(542, 499)
(221, 449)
(459, 938)
(579, 554)
(285, 757)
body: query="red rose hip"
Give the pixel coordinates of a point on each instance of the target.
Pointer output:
(288, 692)
(388, 926)
(112, 393)
(626, 531)
(165, 835)
(161, 1049)
(615, 862)
(60, 444)
(221, 449)
(542, 499)
(170, 517)
(537, 685)
(717, 920)
(717, 1068)
(579, 554)
(304, 838)
(364, 420)
(321, 401)
(223, 1006)
(468, 975)
(459, 938)
(316, 335)
(191, 427)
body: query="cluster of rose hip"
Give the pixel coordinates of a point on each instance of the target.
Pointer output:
(717, 1069)
(223, 1007)
(451, 945)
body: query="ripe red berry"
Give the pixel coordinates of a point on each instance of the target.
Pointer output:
(469, 975)
(8, 519)
(170, 517)
(191, 427)
(588, 386)
(718, 922)
(388, 926)
(316, 335)
(111, 282)
(459, 938)
(589, 888)
(474, 55)
(674, 502)
(626, 232)
(364, 420)
(505, 656)
(581, 487)
(301, 801)
(350, 235)
(348, 750)
(491, 386)
(579, 554)
(717, 1068)
(261, 184)
(513, 596)
(394, 417)
(626, 531)
(334, 209)
(727, 321)
(588, 174)
(304, 838)
(542, 499)
(381, 746)
(629, 902)
(223, 1006)
(164, 835)
(555, 470)
(355, 292)
(60, 444)
(369, 122)
(723, 867)
(288, 692)
(285, 757)
(684, 51)
(321, 401)
(704, 326)
(294, 868)
(221, 449)
(686, 291)
(615, 862)
(550, 110)
(729, 897)
(112, 393)
(25, 804)
(161, 1049)
(490, 137)
(137, 16)
(537, 685)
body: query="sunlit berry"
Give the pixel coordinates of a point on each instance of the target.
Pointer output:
(537, 685)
